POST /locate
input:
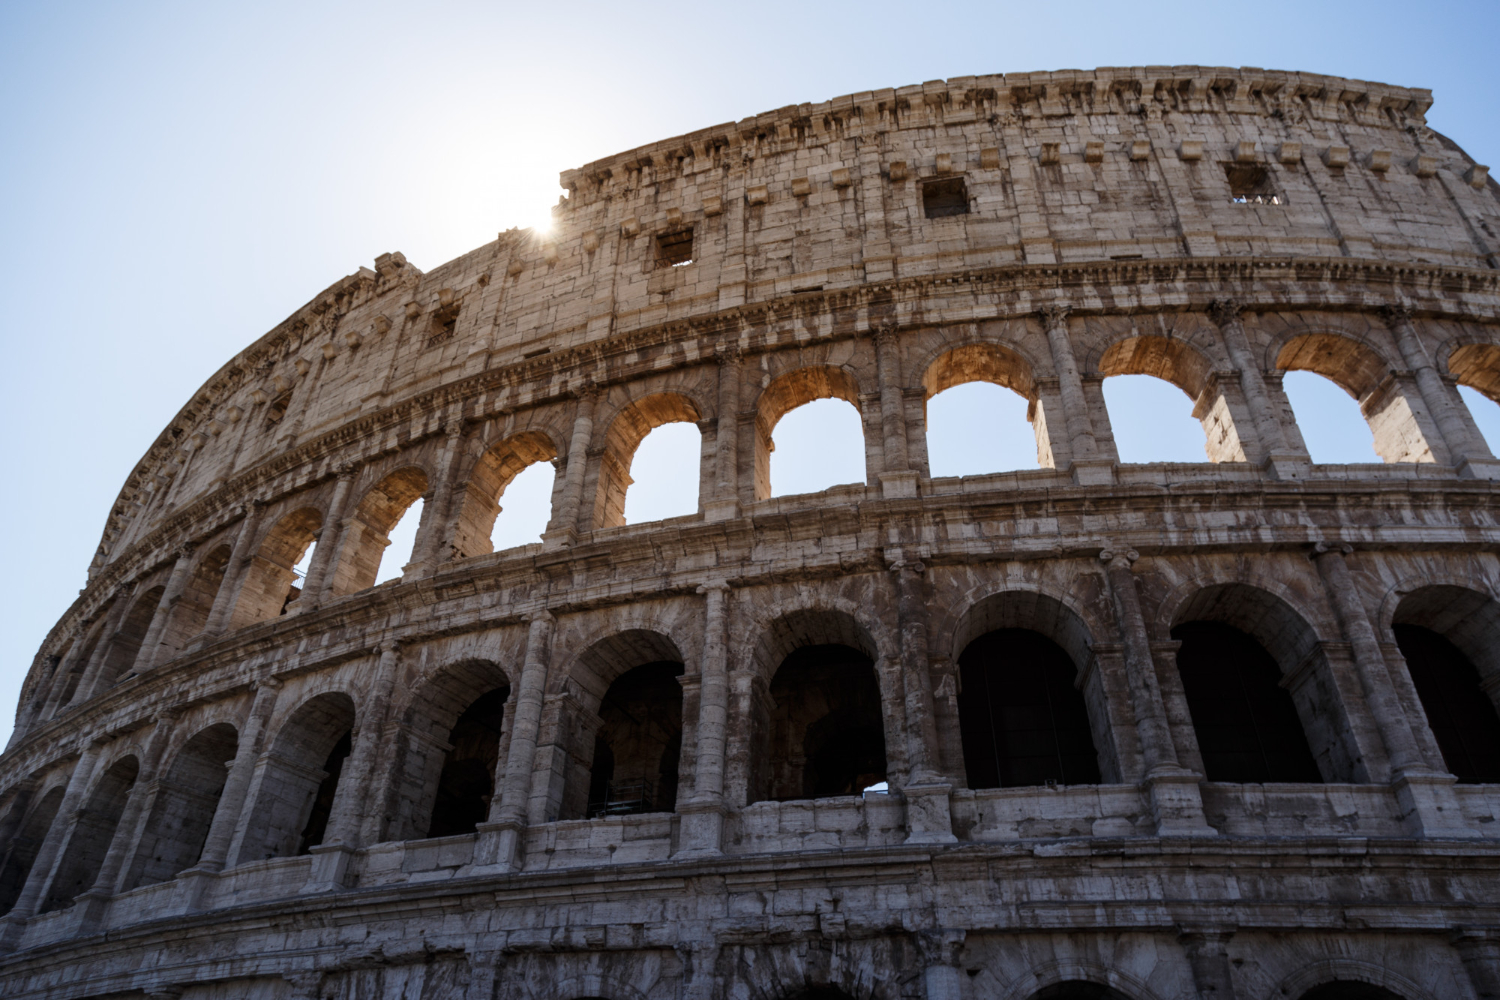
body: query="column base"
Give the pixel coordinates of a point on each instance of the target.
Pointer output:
(90, 909)
(929, 813)
(1177, 804)
(12, 929)
(897, 485)
(559, 538)
(193, 887)
(1287, 465)
(498, 848)
(1479, 468)
(1428, 806)
(721, 510)
(700, 834)
(331, 868)
(1093, 472)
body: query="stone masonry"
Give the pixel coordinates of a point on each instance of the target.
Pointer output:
(634, 761)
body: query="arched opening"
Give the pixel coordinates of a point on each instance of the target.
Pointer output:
(624, 744)
(298, 779)
(1350, 989)
(24, 847)
(1477, 368)
(673, 466)
(271, 580)
(1450, 639)
(639, 743)
(822, 438)
(980, 398)
(1391, 424)
(1078, 989)
(190, 613)
(1329, 420)
(1146, 380)
(363, 560)
(665, 474)
(91, 641)
(1247, 726)
(820, 726)
(452, 750)
(1023, 719)
(507, 500)
(184, 807)
(92, 833)
(119, 663)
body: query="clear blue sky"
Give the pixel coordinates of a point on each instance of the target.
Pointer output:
(175, 179)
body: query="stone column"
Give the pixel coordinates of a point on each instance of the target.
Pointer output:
(1075, 406)
(128, 831)
(151, 654)
(1270, 447)
(1479, 947)
(1207, 951)
(725, 503)
(564, 528)
(90, 678)
(234, 573)
(315, 585)
(1467, 449)
(703, 815)
(13, 924)
(929, 815)
(1429, 805)
(897, 478)
(1176, 804)
(941, 979)
(500, 838)
(435, 533)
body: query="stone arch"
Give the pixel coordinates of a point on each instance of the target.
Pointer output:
(492, 472)
(1449, 638)
(270, 581)
(1331, 970)
(592, 986)
(627, 429)
(998, 364)
(452, 749)
(622, 699)
(125, 645)
(1035, 983)
(92, 832)
(1175, 360)
(24, 846)
(1018, 614)
(1366, 375)
(183, 809)
(1286, 667)
(785, 393)
(296, 778)
(366, 533)
(1477, 366)
(190, 612)
(91, 638)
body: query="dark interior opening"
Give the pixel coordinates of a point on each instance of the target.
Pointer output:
(277, 409)
(1022, 720)
(1247, 726)
(1077, 989)
(674, 248)
(1461, 714)
(317, 820)
(639, 742)
(827, 730)
(1345, 989)
(1250, 184)
(444, 325)
(948, 196)
(467, 782)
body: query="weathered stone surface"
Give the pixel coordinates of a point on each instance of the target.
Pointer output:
(170, 820)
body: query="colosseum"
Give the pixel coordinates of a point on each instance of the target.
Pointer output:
(1090, 731)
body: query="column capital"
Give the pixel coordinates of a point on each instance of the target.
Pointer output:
(715, 586)
(1055, 316)
(270, 683)
(1396, 312)
(454, 428)
(1224, 311)
(727, 354)
(1327, 548)
(346, 470)
(539, 615)
(385, 646)
(184, 550)
(1122, 557)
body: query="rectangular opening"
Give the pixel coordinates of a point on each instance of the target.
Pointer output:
(1250, 184)
(674, 249)
(444, 326)
(948, 196)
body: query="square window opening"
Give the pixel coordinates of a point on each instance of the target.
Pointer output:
(948, 196)
(674, 249)
(1250, 184)
(444, 326)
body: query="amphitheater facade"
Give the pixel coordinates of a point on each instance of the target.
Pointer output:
(1096, 730)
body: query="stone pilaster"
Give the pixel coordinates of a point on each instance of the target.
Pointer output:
(703, 815)
(500, 838)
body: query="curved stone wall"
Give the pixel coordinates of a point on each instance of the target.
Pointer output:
(646, 760)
